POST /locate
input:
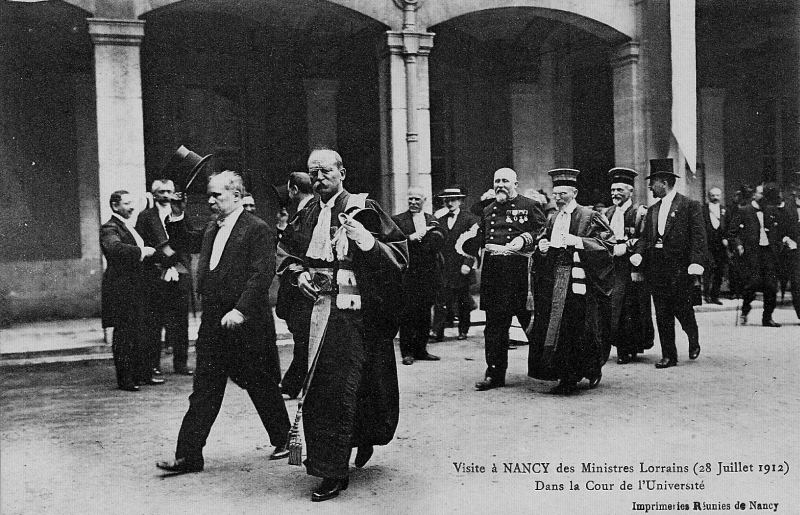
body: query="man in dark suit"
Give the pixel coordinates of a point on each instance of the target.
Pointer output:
(792, 216)
(169, 283)
(511, 217)
(716, 233)
(672, 251)
(458, 269)
(237, 332)
(123, 291)
(759, 232)
(422, 277)
(631, 328)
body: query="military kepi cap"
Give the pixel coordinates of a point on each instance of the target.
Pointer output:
(623, 175)
(661, 168)
(564, 176)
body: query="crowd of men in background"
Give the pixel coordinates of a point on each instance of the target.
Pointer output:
(578, 279)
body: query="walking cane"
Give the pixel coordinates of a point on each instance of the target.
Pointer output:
(295, 440)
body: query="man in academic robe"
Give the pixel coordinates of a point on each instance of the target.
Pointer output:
(123, 292)
(631, 328)
(421, 279)
(236, 338)
(345, 254)
(672, 251)
(574, 278)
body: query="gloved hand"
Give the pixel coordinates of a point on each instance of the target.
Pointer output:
(620, 249)
(465, 269)
(544, 245)
(695, 269)
(232, 319)
(516, 244)
(359, 234)
(636, 259)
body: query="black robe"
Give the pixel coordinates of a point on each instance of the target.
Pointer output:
(353, 398)
(567, 334)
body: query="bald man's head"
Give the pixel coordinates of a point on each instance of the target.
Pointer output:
(505, 184)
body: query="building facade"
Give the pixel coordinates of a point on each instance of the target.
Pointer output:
(95, 96)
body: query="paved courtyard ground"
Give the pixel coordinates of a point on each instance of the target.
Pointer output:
(72, 444)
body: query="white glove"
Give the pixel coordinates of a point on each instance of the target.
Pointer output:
(465, 269)
(570, 240)
(359, 234)
(636, 259)
(147, 252)
(233, 318)
(790, 243)
(695, 269)
(171, 275)
(544, 245)
(516, 244)
(620, 249)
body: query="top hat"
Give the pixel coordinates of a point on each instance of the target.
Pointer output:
(452, 192)
(282, 193)
(623, 175)
(564, 176)
(184, 166)
(661, 168)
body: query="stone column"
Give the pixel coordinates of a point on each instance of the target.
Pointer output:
(120, 120)
(405, 116)
(629, 127)
(321, 112)
(712, 137)
(86, 162)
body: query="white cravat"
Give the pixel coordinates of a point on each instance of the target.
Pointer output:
(320, 245)
(618, 220)
(714, 212)
(163, 213)
(763, 240)
(663, 211)
(561, 226)
(221, 239)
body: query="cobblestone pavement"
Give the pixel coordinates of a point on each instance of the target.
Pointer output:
(72, 444)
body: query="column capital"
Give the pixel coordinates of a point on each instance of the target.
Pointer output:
(407, 43)
(116, 32)
(625, 54)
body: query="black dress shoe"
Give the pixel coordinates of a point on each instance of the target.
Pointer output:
(156, 371)
(563, 388)
(594, 381)
(181, 466)
(622, 360)
(184, 371)
(694, 352)
(488, 383)
(129, 387)
(280, 452)
(153, 380)
(329, 488)
(363, 455)
(666, 363)
(426, 357)
(770, 323)
(716, 301)
(462, 336)
(408, 360)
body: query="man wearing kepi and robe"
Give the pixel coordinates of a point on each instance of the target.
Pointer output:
(353, 272)
(631, 328)
(505, 226)
(574, 276)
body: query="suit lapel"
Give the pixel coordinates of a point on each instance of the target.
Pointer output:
(234, 241)
(127, 235)
(676, 203)
(653, 213)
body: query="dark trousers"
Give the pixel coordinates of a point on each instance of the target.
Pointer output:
(415, 324)
(668, 308)
(793, 261)
(299, 323)
(227, 355)
(763, 276)
(715, 271)
(126, 347)
(168, 308)
(457, 300)
(496, 340)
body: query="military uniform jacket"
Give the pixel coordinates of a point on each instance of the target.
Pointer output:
(504, 279)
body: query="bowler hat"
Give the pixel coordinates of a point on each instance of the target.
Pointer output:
(184, 166)
(661, 168)
(623, 175)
